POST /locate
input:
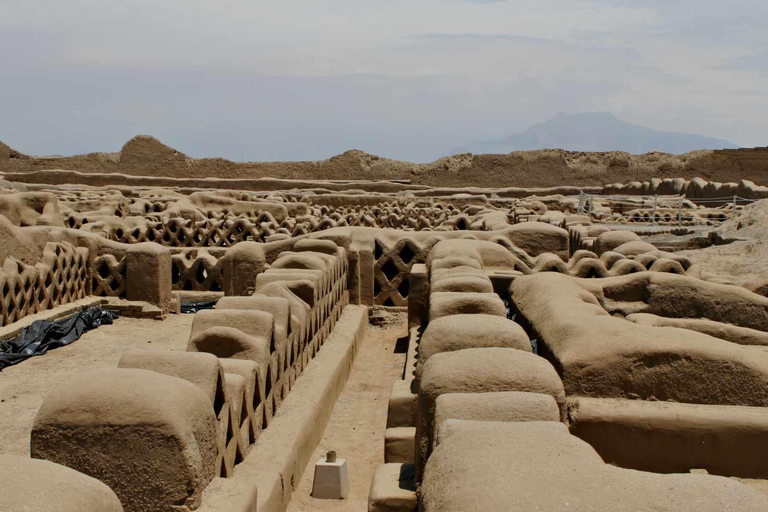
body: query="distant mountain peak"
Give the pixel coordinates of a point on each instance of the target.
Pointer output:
(597, 131)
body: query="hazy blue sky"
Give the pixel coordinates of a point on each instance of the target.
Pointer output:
(407, 79)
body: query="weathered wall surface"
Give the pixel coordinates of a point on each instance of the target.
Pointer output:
(146, 156)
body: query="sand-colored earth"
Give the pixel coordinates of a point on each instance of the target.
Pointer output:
(745, 260)
(146, 156)
(357, 425)
(746, 256)
(355, 431)
(24, 386)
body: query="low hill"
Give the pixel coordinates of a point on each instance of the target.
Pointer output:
(146, 156)
(598, 131)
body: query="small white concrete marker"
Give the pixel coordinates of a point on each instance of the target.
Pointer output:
(331, 478)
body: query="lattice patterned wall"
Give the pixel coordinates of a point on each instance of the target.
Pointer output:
(59, 278)
(226, 232)
(108, 276)
(392, 264)
(227, 229)
(393, 261)
(197, 270)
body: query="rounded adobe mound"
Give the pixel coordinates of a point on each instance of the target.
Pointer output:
(483, 370)
(458, 332)
(610, 240)
(150, 437)
(32, 484)
(241, 264)
(488, 254)
(305, 261)
(601, 355)
(480, 370)
(468, 284)
(456, 303)
(201, 369)
(497, 406)
(230, 342)
(540, 466)
(634, 248)
(454, 262)
(145, 149)
(322, 246)
(251, 322)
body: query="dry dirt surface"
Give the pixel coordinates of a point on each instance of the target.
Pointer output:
(146, 156)
(745, 260)
(357, 425)
(23, 387)
(746, 256)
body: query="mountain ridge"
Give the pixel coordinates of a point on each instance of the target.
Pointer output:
(148, 156)
(596, 132)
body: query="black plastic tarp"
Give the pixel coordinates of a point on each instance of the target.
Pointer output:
(42, 335)
(194, 307)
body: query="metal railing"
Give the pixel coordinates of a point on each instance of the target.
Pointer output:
(724, 207)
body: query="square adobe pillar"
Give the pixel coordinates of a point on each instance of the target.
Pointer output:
(418, 296)
(361, 292)
(148, 274)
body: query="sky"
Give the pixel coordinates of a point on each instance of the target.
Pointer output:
(406, 79)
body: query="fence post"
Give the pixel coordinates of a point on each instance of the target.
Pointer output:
(581, 202)
(680, 213)
(733, 214)
(653, 216)
(591, 204)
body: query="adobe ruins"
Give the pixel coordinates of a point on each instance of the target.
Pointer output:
(597, 344)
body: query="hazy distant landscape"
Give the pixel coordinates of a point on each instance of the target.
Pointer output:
(596, 131)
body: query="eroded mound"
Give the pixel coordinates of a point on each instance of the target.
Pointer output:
(146, 156)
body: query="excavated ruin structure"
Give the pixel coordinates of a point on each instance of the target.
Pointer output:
(561, 353)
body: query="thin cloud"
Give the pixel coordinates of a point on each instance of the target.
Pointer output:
(290, 80)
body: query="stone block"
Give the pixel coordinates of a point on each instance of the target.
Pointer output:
(480, 370)
(403, 404)
(393, 489)
(242, 263)
(418, 295)
(150, 437)
(39, 485)
(399, 445)
(455, 303)
(201, 369)
(253, 323)
(148, 274)
(331, 480)
(457, 332)
(540, 466)
(668, 437)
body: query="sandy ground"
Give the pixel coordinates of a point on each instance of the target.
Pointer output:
(747, 256)
(356, 428)
(23, 387)
(357, 425)
(743, 259)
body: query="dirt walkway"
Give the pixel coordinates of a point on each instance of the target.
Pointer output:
(357, 425)
(23, 387)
